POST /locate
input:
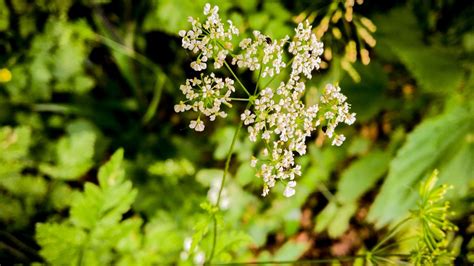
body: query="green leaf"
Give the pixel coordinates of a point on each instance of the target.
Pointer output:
(74, 154)
(12, 212)
(291, 250)
(33, 187)
(172, 168)
(341, 220)
(14, 143)
(60, 244)
(229, 241)
(94, 230)
(223, 138)
(325, 217)
(86, 208)
(335, 218)
(426, 147)
(362, 175)
(4, 16)
(112, 172)
(459, 170)
(245, 174)
(106, 203)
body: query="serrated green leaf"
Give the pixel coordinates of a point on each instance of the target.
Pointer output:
(85, 210)
(96, 216)
(34, 187)
(106, 203)
(74, 154)
(426, 147)
(459, 171)
(112, 172)
(61, 244)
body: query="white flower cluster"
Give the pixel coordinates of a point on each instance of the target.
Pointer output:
(251, 55)
(205, 96)
(336, 110)
(210, 39)
(279, 118)
(283, 122)
(306, 49)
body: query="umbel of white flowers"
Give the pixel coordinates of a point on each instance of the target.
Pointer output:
(277, 117)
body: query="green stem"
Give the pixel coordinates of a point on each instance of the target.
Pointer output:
(327, 194)
(240, 99)
(309, 262)
(151, 110)
(390, 234)
(224, 175)
(258, 79)
(236, 78)
(386, 247)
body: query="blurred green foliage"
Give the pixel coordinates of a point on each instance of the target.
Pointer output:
(81, 79)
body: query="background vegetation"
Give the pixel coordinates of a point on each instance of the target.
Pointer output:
(82, 80)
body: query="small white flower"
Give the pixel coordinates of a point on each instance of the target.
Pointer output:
(197, 125)
(289, 189)
(181, 107)
(199, 258)
(247, 117)
(188, 241)
(338, 140)
(183, 255)
(207, 8)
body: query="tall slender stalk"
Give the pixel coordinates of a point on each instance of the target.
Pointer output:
(224, 175)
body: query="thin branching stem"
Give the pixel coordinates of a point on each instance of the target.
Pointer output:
(391, 234)
(240, 99)
(311, 262)
(227, 165)
(236, 78)
(224, 175)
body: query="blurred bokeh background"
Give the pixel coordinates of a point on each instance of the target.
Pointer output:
(81, 79)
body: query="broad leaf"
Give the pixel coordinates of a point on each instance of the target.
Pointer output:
(429, 145)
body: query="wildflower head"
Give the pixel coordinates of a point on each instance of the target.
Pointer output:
(206, 97)
(432, 212)
(210, 40)
(276, 117)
